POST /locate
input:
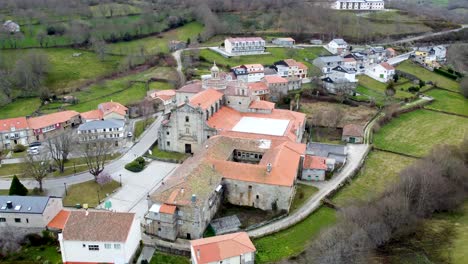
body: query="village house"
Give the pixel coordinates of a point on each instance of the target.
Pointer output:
(285, 42)
(48, 125)
(361, 60)
(106, 111)
(111, 130)
(243, 169)
(249, 72)
(327, 63)
(231, 248)
(165, 99)
(382, 72)
(316, 42)
(97, 236)
(31, 213)
(353, 133)
(277, 85)
(244, 46)
(390, 52)
(315, 168)
(291, 68)
(359, 5)
(330, 151)
(376, 54)
(340, 79)
(14, 131)
(440, 53)
(260, 90)
(337, 47)
(11, 26)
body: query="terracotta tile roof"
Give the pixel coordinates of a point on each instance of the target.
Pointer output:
(292, 62)
(113, 107)
(391, 50)
(51, 119)
(274, 79)
(206, 98)
(225, 118)
(163, 94)
(349, 60)
(215, 249)
(353, 130)
(387, 66)
(16, 123)
(193, 87)
(315, 162)
(98, 226)
(261, 104)
(245, 39)
(59, 221)
(167, 209)
(257, 86)
(92, 115)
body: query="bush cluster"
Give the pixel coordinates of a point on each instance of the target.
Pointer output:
(19, 148)
(136, 165)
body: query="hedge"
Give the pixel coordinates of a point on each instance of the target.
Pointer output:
(136, 165)
(446, 74)
(19, 148)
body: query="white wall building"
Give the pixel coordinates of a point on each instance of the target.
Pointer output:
(244, 46)
(99, 237)
(249, 72)
(14, 131)
(111, 129)
(291, 68)
(337, 46)
(382, 72)
(359, 5)
(31, 212)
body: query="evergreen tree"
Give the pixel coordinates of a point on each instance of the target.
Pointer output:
(17, 188)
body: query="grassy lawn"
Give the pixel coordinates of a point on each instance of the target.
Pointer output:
(87, 192)
(10, 169)
(38, 254)
(163, 258)
(380, 88)
(379, 171)
(4, 192)
(448, 102)
(267, 59)
(426, 75)
(303, 193)
(68, 72)
(294, 240)
(140, 126)
(156, 44)
(157, 153)
(417, 132)
(20, 107)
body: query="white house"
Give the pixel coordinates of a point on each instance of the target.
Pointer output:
(99, 237)
(230, 248)
(359, 5)
(285, 42)
(440, 52)
(29, 212)
(249, 72)
(382, 72)
(244, 46)
(291, 68)
(337, 46)
(316, 167)
(13, 131)
(11, 26)
(165, 97)
(111, 130)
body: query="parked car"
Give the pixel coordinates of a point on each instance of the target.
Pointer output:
(35, 144)
(129, 134)
(33, 150)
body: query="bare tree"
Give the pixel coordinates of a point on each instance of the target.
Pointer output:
(100, 48)
(464, 87)
(60, 147)
(30, 72)
(37, 167)
(146, 108)
(96, 154)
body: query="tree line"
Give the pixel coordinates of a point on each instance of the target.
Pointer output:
(434, 184)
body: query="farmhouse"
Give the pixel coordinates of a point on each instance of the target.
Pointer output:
(239, 167)
(353, 133)
(165, 99)
(244, 46)
(314, 168)
(31, 213)
(98, 237)
(14, 131)
(382, 72)
(285, 42)
(337, 46)
(231, 248)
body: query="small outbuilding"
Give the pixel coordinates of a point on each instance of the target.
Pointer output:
(353, 133)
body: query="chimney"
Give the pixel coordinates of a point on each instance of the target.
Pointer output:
(9, 204)
(269, 167)
(87, 213)
(198, 253)
(194, 198)
(182, 190)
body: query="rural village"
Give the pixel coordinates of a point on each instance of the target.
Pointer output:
(200, 139)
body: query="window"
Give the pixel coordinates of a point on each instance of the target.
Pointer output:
(186, 119)
(93, 247)
(168, 143)
(240, 102)
(258, 196)
(167, 133)
(180, 222)
(250, 187)
(187, 130)
(2, 219)
(116, 246)
(17, 220)
(107, 246)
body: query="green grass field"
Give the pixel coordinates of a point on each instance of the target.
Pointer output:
(88, 192)
(156, 44)
(379, 171)
(38, 254)
(303, 193)
(161, 154)
(20, 107)
(163, 258)
(448, 102)
(415, 133)
(427, 75)
(379, 88)
(292, 241)
(140, 126)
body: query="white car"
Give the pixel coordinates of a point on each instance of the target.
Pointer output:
(33, 150)
(129, 134)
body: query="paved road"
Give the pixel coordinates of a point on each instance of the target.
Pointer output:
(356, 155)
(177, 55)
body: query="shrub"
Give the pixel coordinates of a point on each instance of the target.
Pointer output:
(34, 240)
(136, 165)
(19, 148)
(413, 89)
(17, 188)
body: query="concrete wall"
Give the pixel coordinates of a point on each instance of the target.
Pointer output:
(313, 175)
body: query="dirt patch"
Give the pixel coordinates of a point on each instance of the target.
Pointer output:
(347, 114)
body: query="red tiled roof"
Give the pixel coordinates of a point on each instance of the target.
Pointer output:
(92, 115)
(257, 86)
(206, 98)
(353, 130)
(59, 221)
(163, 94)
(98, 226)
(113, 107)
(349, 60)
(51, 119)
(17, 123)
(167, 209)
(292, 62)
(315, 162)
(261, 104)
(217, 248)
(193, 87)
(274, 79)
(387, 66)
